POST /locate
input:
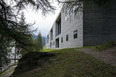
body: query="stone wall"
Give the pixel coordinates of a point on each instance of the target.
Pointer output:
(99, 23)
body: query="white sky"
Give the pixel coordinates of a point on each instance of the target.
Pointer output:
(43, 23)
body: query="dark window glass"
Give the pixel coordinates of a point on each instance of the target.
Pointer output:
(61, 39)
(67, 37)
(75, 34)
(51, 34)
(58, 26)
(48, 39)
(57, 43)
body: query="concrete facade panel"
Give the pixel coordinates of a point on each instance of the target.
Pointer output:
(99, 23)
(94, 26)
(74, 22)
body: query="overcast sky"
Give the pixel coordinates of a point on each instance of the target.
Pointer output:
(43, 23)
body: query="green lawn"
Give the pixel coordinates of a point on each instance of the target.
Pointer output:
(72, 63)
(47, 50)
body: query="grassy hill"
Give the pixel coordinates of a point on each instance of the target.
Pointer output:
(64, 63)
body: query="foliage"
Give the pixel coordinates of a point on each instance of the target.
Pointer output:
(105, 45)
(72, 63)
(25, 37)
(29, 48)
(4, 50)
(38, 43)
(11, 30)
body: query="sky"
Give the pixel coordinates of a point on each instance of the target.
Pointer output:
(43, 23)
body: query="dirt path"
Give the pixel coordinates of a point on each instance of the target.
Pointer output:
(108, 55)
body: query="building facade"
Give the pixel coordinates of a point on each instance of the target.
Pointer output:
(92, 26)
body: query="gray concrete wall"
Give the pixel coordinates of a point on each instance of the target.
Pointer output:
(51, 43)
(73, 22)
(68, 25)
(99, 23)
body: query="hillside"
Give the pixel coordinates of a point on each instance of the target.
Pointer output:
(64, 63)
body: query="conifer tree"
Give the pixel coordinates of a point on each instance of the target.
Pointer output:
(13, 31)
(38, 43)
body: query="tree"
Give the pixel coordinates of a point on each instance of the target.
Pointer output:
(38, 43)
(29, 48)
(11, 30)
(26, 38)
(4, 50)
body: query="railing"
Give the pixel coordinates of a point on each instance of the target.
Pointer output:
(14, 59)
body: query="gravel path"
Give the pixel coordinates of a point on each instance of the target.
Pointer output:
(108, 55)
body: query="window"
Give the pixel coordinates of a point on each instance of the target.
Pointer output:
(58, 26)
(61, 39)
(51, 34)
(48, 39)
(67, 37)
(75, 34)
(57, 43)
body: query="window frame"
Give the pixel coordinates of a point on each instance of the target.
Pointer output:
(67, 37)
(61, 39)
(75, 34)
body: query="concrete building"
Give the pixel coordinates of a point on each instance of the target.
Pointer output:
(92, 26)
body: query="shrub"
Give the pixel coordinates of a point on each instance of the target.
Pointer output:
(106, 45)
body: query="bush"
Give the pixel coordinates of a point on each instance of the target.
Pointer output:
(106, 45)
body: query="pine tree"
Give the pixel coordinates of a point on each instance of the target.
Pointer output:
(38, 42)
(4, 50)
(29, 48)
(13, 31)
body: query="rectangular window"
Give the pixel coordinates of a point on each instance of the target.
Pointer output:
(58, 26)
(51, 34)
(75, 34)
(57, 43)
(61, 39)
(48, 39)
(67, 37)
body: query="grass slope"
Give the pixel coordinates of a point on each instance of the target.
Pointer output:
(72, 63)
